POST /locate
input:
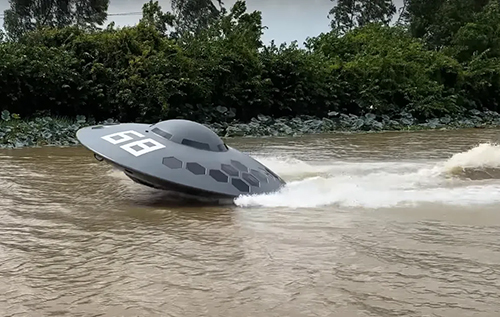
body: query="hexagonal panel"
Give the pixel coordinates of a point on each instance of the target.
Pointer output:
(229, 170)
(250, 179)
(260, 176)
(172, 162)
(240, 185)
(195, 168)
(218, 176)
(239, 166)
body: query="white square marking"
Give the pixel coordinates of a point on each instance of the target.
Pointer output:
(129, 147)
(123, 136)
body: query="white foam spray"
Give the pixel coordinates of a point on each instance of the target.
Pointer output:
(483, 156)
(384, 184)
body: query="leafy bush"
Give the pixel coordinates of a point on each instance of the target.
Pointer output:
(299, 82)
(482, 83)
(34, 78)
(226, 56)
(388, 71)
(225, 74)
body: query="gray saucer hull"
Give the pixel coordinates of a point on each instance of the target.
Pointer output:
(197, 163)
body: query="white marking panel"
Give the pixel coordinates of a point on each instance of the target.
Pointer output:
(143, 144)
(124, 136)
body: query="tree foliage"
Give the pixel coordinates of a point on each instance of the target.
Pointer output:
(438, 21)
(153, 16)
(193, 16)
(27, 15)
(349, 14)
(437, 65)
(469, 31)
(386, 71)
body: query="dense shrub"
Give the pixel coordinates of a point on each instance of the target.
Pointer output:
(476, 45)
(225, 73)
(388, 71)
(37, 77)
(299, 82)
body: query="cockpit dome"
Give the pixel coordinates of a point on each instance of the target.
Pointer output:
(190, 134)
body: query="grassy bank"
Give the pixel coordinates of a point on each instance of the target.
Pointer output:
(47, 131)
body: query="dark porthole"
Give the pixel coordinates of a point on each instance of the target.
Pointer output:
(195, 168)
(250, 179)
(240, 185)
(172, 162)
(239, 166)
(260, 176)
(218, 176)
(229, 170)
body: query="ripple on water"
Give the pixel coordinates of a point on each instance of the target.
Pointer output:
(79, 239)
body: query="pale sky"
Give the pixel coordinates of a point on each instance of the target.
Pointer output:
(287, 20)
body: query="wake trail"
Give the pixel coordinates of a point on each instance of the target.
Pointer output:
(468, 178)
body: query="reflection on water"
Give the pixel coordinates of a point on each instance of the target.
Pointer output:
(393, 224)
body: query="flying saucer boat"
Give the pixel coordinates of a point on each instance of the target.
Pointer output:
(180, 156)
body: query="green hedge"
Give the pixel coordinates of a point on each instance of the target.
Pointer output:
(386, 71)
(136, 74)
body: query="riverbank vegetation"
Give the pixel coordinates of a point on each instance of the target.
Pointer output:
(438, 65)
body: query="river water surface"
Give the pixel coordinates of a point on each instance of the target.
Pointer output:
(389, 224)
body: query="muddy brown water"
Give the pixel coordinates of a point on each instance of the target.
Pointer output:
(389, 224)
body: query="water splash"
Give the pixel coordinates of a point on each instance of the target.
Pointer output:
(467, 178)
(480, 162)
